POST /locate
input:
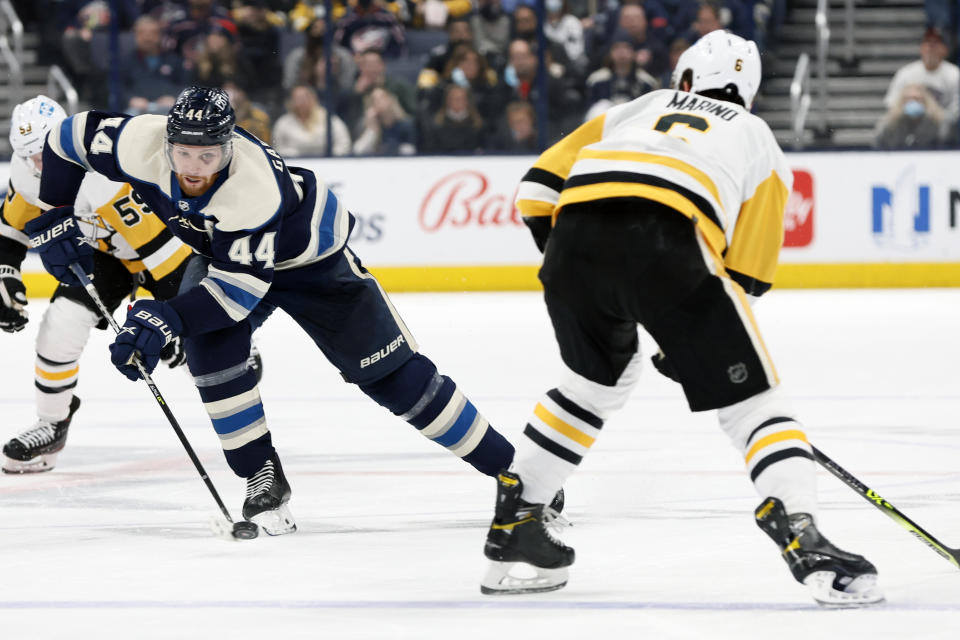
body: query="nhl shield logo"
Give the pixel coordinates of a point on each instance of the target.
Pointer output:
(184, 205)
(738, 373)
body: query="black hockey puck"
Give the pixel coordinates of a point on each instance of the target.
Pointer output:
(245, 530)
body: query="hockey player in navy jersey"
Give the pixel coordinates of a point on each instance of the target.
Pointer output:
(666, 211)
(275, 236)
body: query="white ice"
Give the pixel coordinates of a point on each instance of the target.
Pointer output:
(114, 543)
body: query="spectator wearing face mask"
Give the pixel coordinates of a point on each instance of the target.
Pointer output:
(915, 121)
(566, 31)
(456, 127)
(941, 78)
(491, 30)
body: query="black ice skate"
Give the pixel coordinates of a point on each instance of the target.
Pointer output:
(267, 495)
(36, 449)
(519, 540)
(834, 577)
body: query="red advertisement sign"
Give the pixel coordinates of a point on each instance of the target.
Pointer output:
(798, 217)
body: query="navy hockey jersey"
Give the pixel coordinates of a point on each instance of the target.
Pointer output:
(259, 216)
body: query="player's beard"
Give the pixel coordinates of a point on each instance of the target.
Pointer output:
(193, 186)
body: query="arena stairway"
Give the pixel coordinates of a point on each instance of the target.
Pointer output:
(887, 35)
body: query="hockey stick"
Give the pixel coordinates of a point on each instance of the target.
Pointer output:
(242, 530)
(871, 496)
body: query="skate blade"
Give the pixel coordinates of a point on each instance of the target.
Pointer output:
(275, 522)
(506, 578)
(39, 464)
(861, 592)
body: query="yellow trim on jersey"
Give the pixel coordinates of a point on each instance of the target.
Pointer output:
(592, 192)
(650, 158)
(562, 427)
(755, 247)
(535, 208)
(167, 266)
(61, 375)
(17, 212)
(559, 158)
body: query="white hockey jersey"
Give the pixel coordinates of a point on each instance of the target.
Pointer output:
(710, 160)
(111, 213)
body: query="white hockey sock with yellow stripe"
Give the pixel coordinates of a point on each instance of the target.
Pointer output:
(557, 436)
(61, 338)
(564, 425)
(775, 448)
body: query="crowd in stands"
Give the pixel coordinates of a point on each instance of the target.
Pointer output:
(923, 100)
(472, 88)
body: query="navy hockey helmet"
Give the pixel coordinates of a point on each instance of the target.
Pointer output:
(202, 117)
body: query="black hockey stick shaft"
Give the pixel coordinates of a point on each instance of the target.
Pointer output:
(874, 498)
(92, 291)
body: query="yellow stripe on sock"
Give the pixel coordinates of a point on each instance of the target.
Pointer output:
(793, 434)
(559, 425)
(62, 375)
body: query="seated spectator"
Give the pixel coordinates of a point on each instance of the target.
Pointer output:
(651, 52)
(459, 32)
(249, 116)
(677, 47)
(387, 130)
(302, 130)
(941, 78)
(914, 122)
(369, 26)
(259, 41)
(563, 95)
(525, 28)
(371, 73)
(467, 68)
(620, 79)
(435, 14)
(299, 63)
(566, 31)
(187, 36)
(519, 135)
(456, 127)
(708, 19)
(78, 19)
(153, 78)
(219, 61)
(491, 29)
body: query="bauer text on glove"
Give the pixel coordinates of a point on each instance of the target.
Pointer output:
(150, 326)
(57, 238)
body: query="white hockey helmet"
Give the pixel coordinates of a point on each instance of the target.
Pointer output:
(720, 59)
(30, 123)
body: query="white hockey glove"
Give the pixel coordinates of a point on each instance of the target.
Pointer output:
(13, 299)
(173, 354)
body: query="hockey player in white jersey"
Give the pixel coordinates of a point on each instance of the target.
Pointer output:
(666, 211)
(134, 248)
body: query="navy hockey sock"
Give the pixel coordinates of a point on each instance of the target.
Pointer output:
(435, 406)
(231, 398)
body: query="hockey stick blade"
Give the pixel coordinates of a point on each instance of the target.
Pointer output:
(239, 530)
(874, 498)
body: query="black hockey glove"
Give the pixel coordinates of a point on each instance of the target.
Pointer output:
(173, 354)
(13, 299)
(661, 364)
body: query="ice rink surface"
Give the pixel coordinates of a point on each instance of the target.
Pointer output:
(115, 543)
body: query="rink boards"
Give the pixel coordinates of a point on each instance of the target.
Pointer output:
(854, 219)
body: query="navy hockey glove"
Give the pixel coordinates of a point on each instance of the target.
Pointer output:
(664, 366)
(13, 299)
(150, 326)
(56, 236)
